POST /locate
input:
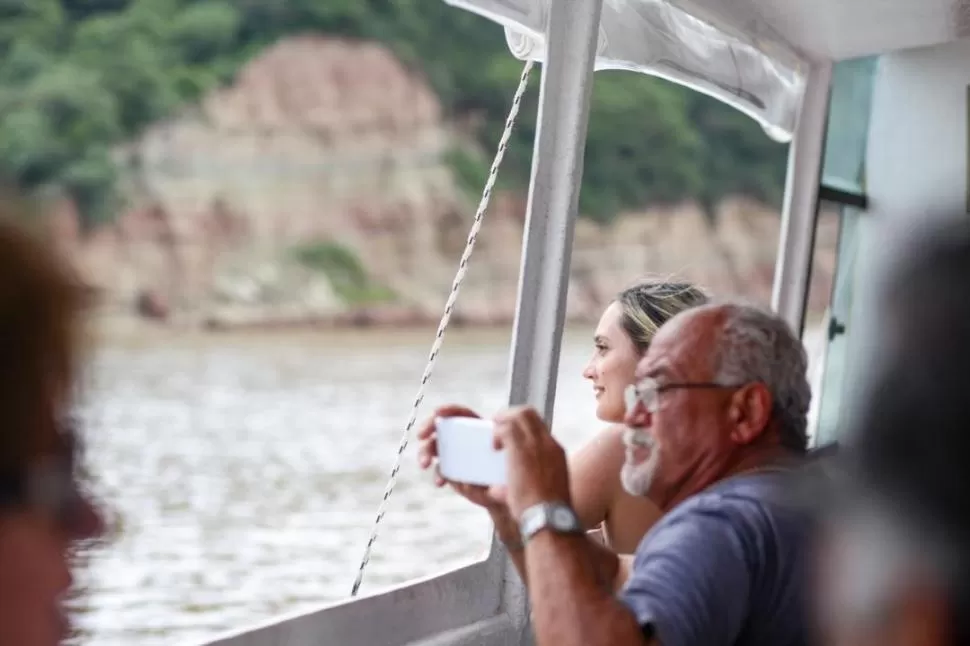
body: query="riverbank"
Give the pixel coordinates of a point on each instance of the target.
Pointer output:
(115, 327)
(111, 328)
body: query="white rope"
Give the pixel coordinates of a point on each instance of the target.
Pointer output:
(446, 317)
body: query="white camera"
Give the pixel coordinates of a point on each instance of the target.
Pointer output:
(466, 452)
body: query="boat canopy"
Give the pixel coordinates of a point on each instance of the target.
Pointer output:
(751, 54)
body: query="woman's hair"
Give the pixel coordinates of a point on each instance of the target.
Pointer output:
(40, 309)
(651, 303)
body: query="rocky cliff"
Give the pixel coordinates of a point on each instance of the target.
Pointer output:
(315, 188)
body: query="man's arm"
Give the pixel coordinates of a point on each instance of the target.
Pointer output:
(611, 569)
(689, 587)
(571, 590)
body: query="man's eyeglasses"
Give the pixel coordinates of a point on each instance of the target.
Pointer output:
(647, 391)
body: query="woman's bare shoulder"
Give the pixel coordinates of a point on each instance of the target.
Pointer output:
(594, 472)
(602, 450)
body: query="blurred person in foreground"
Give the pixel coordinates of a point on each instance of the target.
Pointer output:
(42, 510)
(896, 565)
(716, 426)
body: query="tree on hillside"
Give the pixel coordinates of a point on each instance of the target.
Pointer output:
(77, 77)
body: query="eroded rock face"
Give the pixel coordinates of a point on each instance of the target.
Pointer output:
(323, 139)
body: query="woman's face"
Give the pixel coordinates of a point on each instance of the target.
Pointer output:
(612, 366)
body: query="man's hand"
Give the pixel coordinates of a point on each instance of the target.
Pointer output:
(537, 470)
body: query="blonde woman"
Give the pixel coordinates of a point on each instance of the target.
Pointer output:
(622, 336)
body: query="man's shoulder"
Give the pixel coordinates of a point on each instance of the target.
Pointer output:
(725, 561)
(768, 491)
(738, 509)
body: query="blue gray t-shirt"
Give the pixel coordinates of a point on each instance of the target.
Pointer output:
(726, 567)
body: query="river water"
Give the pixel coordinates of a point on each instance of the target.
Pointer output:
(243, 472)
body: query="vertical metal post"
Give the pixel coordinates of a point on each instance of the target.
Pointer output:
(796, 245)
(557, 171)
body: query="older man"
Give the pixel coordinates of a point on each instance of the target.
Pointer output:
(716, 420)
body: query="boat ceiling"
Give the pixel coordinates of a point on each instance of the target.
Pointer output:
(841, 29)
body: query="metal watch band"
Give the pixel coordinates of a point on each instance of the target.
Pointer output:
(556, 516)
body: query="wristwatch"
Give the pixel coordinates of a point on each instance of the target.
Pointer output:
(556, 516)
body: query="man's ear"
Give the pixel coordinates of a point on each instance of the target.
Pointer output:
(750, 412)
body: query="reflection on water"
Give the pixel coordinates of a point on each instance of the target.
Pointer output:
(246, 472)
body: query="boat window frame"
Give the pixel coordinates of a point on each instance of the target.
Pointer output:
(843, 184)
(843, 197)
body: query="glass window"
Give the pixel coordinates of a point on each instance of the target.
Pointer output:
(843, 168)
(848, 127)
(836, 339)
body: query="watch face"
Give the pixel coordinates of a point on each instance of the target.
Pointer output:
(562, 519)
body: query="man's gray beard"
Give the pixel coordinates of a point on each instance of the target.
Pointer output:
(637, 478)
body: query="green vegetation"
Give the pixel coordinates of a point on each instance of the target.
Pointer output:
(79, 76)
(344, 270)
(469, 169)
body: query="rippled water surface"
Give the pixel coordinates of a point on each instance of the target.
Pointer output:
(245, 473)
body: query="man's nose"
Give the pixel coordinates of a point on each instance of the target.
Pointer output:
(638, 416)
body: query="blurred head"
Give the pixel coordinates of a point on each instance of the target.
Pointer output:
(42, 511)
(889, 577)
(897, 565)
(718, 384)
(624, 333)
